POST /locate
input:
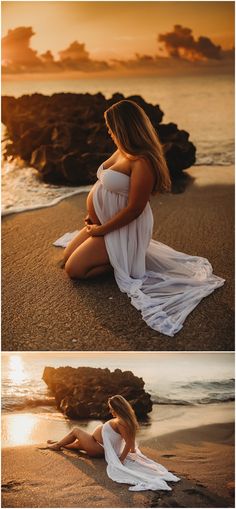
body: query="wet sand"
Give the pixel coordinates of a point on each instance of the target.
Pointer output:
(31, 427)
(203, 457)
(43, 310)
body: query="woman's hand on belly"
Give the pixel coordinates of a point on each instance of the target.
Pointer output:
(88, 220)
(95, 230)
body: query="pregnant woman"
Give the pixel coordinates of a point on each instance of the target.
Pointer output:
(116, 441)
(164, 284)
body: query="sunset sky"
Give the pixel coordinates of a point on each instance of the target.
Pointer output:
(103, 31)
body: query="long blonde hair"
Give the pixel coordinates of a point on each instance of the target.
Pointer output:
(125, 411)
(136, 136)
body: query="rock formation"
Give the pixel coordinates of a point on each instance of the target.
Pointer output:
(65, 138)
(82, 393)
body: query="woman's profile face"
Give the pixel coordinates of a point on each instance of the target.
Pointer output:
(113, 413)
(110, 133)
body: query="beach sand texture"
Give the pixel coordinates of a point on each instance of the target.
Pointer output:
(43, 310)
(202, 457)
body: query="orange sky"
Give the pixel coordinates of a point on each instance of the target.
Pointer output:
(117, 29)
(116, 38)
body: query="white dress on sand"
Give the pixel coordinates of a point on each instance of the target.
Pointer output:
(138, 470)
(164, 284)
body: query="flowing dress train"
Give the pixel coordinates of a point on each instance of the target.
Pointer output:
(162, 283)
(138, 470)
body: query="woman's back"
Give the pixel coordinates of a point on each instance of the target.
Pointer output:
(112, 439)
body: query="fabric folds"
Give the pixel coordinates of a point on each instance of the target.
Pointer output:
(165, 285)
(138, 470)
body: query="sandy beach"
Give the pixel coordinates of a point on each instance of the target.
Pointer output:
(202, 457)
(43, 310)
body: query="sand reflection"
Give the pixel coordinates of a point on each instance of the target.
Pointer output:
(21, 429)
(28, 429)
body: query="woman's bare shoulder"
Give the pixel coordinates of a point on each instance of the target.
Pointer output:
(122, 426)
(112, 422)
(142, 170)
(141, 162)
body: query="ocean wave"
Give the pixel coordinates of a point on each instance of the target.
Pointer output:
(208, 161)
(206, 400)
(23, 190)
(210, 384)
(225, 158)
(42, 404)
(185, 393)
(197, 392)
(215, 153)
(14, 404)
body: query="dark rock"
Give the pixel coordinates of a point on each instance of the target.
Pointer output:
(231, 488)
(82, 393)
(65, 138)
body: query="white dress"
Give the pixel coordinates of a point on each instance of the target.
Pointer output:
(164, 284)
(137, 469)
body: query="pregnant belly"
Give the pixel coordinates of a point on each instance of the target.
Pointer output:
(97, 434)
(90, 209)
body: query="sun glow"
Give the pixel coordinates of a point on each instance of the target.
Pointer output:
(21, 428)
(16, 369)
(28, 429)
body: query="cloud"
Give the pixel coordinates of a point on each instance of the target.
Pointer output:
(139, 62)
(181, 44)
(18, 57)
(16, 53)
(185, 54)
(77, 58)
(143, 65)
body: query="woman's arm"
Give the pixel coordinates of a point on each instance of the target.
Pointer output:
(128, 442)
(125, 452)
(141, 185)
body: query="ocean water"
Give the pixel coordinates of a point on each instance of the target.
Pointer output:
(201, 105)
(173, 379)
(187, 389)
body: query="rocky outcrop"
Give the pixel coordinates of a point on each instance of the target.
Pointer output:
(65, 138)
(82, 393)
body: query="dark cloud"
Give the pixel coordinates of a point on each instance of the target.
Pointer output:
(139, 62)
(185, 54)
(181, 44)
(75, 51)
(228, 54)
(77, 58)
(18, 57)
(16, 52)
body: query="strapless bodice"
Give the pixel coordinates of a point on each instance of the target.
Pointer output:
(113, 181)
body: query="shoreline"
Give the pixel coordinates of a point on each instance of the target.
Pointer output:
(59, 314)
(163, 419)
(182, 181)
(70, 479)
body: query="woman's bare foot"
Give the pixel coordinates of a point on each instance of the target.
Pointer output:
(51, 441)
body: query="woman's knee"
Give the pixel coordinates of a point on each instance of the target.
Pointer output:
(76, 242)
(76, 432)
(74, 272)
